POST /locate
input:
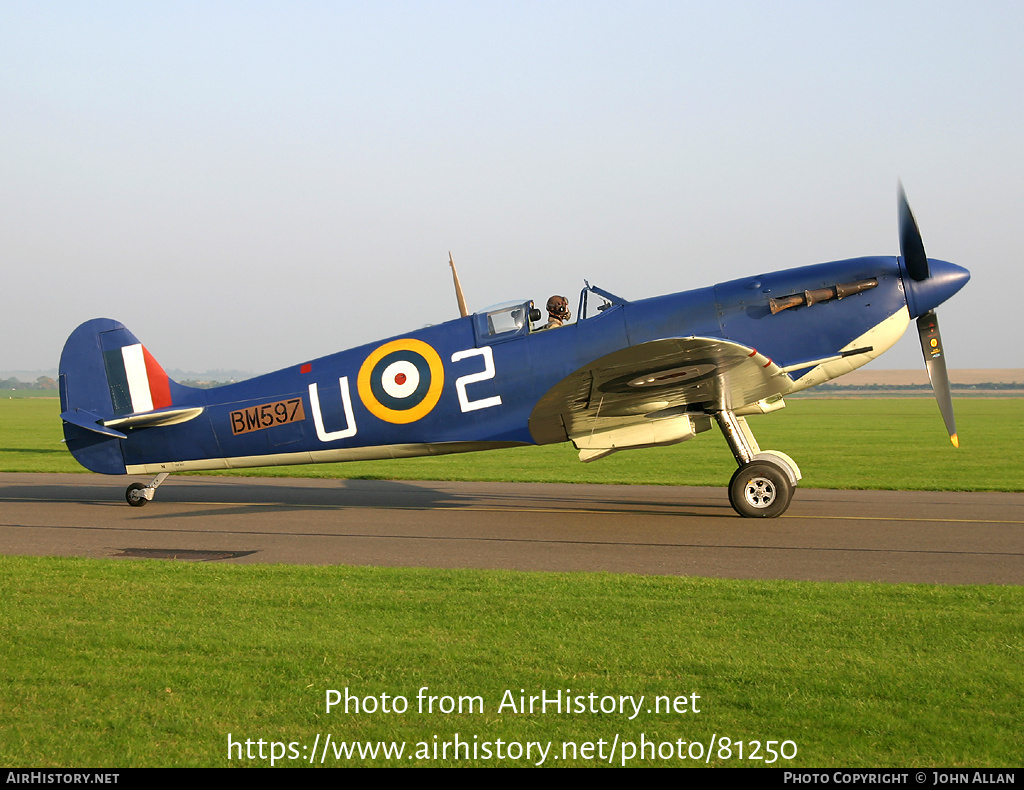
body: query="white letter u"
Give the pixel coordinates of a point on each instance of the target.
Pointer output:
(318, 420)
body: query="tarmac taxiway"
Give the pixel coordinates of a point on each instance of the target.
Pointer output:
(891, 536)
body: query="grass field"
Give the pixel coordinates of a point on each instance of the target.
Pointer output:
(884, 444)
(146, 663)
(149, 663)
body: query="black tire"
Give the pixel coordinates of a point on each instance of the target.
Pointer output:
(760, 489)
(134, 498)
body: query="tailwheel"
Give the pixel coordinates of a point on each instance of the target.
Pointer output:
(760, 489)
(135, 494)
(138, 494)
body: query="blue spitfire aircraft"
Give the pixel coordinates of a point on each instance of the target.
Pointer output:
(624, 375)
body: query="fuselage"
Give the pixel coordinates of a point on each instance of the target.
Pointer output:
(471, 384)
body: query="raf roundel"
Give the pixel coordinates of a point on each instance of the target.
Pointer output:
(401, 381)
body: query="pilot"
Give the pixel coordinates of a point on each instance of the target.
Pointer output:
(558, 312)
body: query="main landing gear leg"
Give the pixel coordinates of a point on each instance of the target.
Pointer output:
(763, 485)
(138, 494)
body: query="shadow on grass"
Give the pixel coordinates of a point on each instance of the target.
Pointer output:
(33, 451)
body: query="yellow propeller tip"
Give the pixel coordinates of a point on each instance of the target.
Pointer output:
(956, 442)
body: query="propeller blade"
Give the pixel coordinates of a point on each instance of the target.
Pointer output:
(935, 362)
(911, 244)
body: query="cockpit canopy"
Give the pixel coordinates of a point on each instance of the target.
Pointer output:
(508, 320)
(504, 318)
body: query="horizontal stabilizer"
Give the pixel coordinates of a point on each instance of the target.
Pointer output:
(90, 422)
(154, 419)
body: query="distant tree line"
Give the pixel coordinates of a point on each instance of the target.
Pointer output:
(47, 383)
(41, 383)
(988, 385)
(205, 385)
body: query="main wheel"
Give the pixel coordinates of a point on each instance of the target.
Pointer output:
(760, 489)
(135, 496)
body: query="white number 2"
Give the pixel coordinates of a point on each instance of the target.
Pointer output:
(472, 378)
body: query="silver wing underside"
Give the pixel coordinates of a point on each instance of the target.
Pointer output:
(651, 388)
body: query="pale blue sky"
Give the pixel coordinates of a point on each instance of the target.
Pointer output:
(248, 185)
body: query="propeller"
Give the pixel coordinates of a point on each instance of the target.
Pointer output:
(911, 244)
(935, 362)
(916, 262)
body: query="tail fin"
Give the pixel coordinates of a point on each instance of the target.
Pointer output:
(107, 377)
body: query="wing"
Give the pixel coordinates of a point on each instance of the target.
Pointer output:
(656, 393)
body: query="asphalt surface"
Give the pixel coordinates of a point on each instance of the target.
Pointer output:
(891, 536)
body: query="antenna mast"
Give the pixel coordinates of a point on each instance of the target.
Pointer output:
(458, 287)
